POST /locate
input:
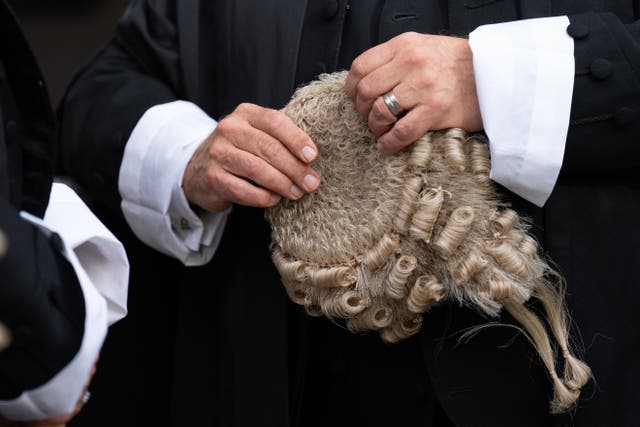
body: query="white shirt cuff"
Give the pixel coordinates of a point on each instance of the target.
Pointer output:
(524, 74)
(102, 268)
(150, 183)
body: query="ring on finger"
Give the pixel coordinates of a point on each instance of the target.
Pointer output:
(392, 104)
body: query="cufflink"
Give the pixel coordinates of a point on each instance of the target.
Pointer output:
(184, 224)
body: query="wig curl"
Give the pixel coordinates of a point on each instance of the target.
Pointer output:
(386, 238)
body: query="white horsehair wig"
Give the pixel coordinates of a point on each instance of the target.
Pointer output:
(385, 238)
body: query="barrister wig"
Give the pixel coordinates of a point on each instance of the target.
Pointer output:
(385, 238)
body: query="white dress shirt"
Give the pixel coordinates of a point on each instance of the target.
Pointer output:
(524, 75)
(150, 183)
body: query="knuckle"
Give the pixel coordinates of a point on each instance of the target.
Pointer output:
(375, 128)
(365, 90)
(440, 103)
(276, 118)
(379, 124)
(427, 75)
(358, 67)
(219, 155)
(379, 111)
(234, 192)
(406, 37)
(392, 145)
(269, 149)
(244, 108)
(225, 127)
(253, 166)
(261, 199)
(213, 152)
(212, 178)
(417, 56)
(401, 132)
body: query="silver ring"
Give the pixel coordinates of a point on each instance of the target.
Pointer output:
(392, 103)
(85, 397)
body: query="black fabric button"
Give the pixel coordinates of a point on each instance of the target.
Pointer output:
(625, 116)
(601, 68)
(56, 242)
(578, 31)
(330, 9)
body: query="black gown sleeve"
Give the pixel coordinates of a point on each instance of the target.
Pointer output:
(41, 304)
(139, 68)
(604, 131)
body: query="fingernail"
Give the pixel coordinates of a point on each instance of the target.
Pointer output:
(308, 153)
(311, 182)
(274, 199)
(297, 192)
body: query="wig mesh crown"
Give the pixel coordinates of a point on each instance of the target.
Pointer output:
(385, 238)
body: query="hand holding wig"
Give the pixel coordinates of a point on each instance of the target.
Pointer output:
(385, 238)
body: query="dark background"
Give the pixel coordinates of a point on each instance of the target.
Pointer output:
(66, 33)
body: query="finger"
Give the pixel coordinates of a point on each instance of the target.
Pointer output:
(380, 118)
(375, 84)
(282, 128)
(241, 192)
(244, 164)
(364, 64)
(405, 131)
(266, 147)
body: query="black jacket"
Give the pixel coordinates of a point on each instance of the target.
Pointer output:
(242, 356)
(41, 302)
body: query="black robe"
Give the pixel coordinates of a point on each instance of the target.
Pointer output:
(241, 355)
(41, 302)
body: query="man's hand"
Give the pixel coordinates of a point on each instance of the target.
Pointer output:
(254, 157)
(432, 79)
